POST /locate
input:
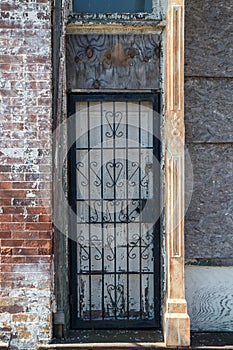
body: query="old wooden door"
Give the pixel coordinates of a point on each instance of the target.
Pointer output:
(114, 191)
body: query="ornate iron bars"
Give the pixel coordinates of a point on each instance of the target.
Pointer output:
(114, 167)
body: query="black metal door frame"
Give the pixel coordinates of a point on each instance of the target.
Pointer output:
(102, 324)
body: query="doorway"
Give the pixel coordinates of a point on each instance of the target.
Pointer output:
(114, 180)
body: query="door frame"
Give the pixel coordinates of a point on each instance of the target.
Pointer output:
(176, 323)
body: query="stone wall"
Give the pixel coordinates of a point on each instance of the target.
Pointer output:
(209, 138)
(25, 172)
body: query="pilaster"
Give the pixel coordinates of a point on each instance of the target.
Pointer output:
(176, 323)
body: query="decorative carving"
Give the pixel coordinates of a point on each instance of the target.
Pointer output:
(175, 125)
(125, 61)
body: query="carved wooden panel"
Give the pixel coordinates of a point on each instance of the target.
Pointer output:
(126, 61)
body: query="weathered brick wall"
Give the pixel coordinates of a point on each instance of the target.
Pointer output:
(25, 172)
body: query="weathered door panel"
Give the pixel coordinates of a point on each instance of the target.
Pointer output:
(108, 61)
(114, 167)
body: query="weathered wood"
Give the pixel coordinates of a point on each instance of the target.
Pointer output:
(208, 38)
(208, 110)
(209, 293)
(209, 222)
(113, 61)
(176, 320)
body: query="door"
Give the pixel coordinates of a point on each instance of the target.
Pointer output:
(114, 191)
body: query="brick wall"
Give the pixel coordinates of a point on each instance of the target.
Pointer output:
(25, 172)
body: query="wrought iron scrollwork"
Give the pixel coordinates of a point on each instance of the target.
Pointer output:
(114, 169)
(110, 240)
(147, 241)
(94, 243)
(116, 306)
(110, 211)
(84, 252)
(144, 242)
(97, 181)
(136, 168)
(106, 215)
(114, 121)
(85, 180)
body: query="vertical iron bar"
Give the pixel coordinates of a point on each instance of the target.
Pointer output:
(127, 207)
(89, 205)
(102, 213)
(140, 204)
(114, 187)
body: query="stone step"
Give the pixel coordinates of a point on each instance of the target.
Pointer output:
(4, 345)
(105, 346)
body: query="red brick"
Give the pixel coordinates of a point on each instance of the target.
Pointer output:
(5, 168)
(5, 218)
(25, 235)
(6, 251)
(45, 218)
(38, 210)
(12, 243)
(31, 202)
(12, 160)
(6, 6)
(39, 243)
(25, 251)
(38, 226)
(11, 226)
(24, 185)
(5, 185)
(12, 309)
(6, 268)
(12, 210)
(25, 218)
(5, 234)
(11, 176)
(37, 59)
(44, 251)
(13, 126)
(5, 201)
(38, 259)
(12, 259)
(45, 235)
(11, 58)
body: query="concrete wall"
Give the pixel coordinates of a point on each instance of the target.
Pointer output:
(209, 138)
(25, 172)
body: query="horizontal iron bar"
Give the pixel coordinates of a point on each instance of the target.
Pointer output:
(99, 273)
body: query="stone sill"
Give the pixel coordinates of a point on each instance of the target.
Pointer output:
(115, 346)
(199, 340)
(4, 345)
